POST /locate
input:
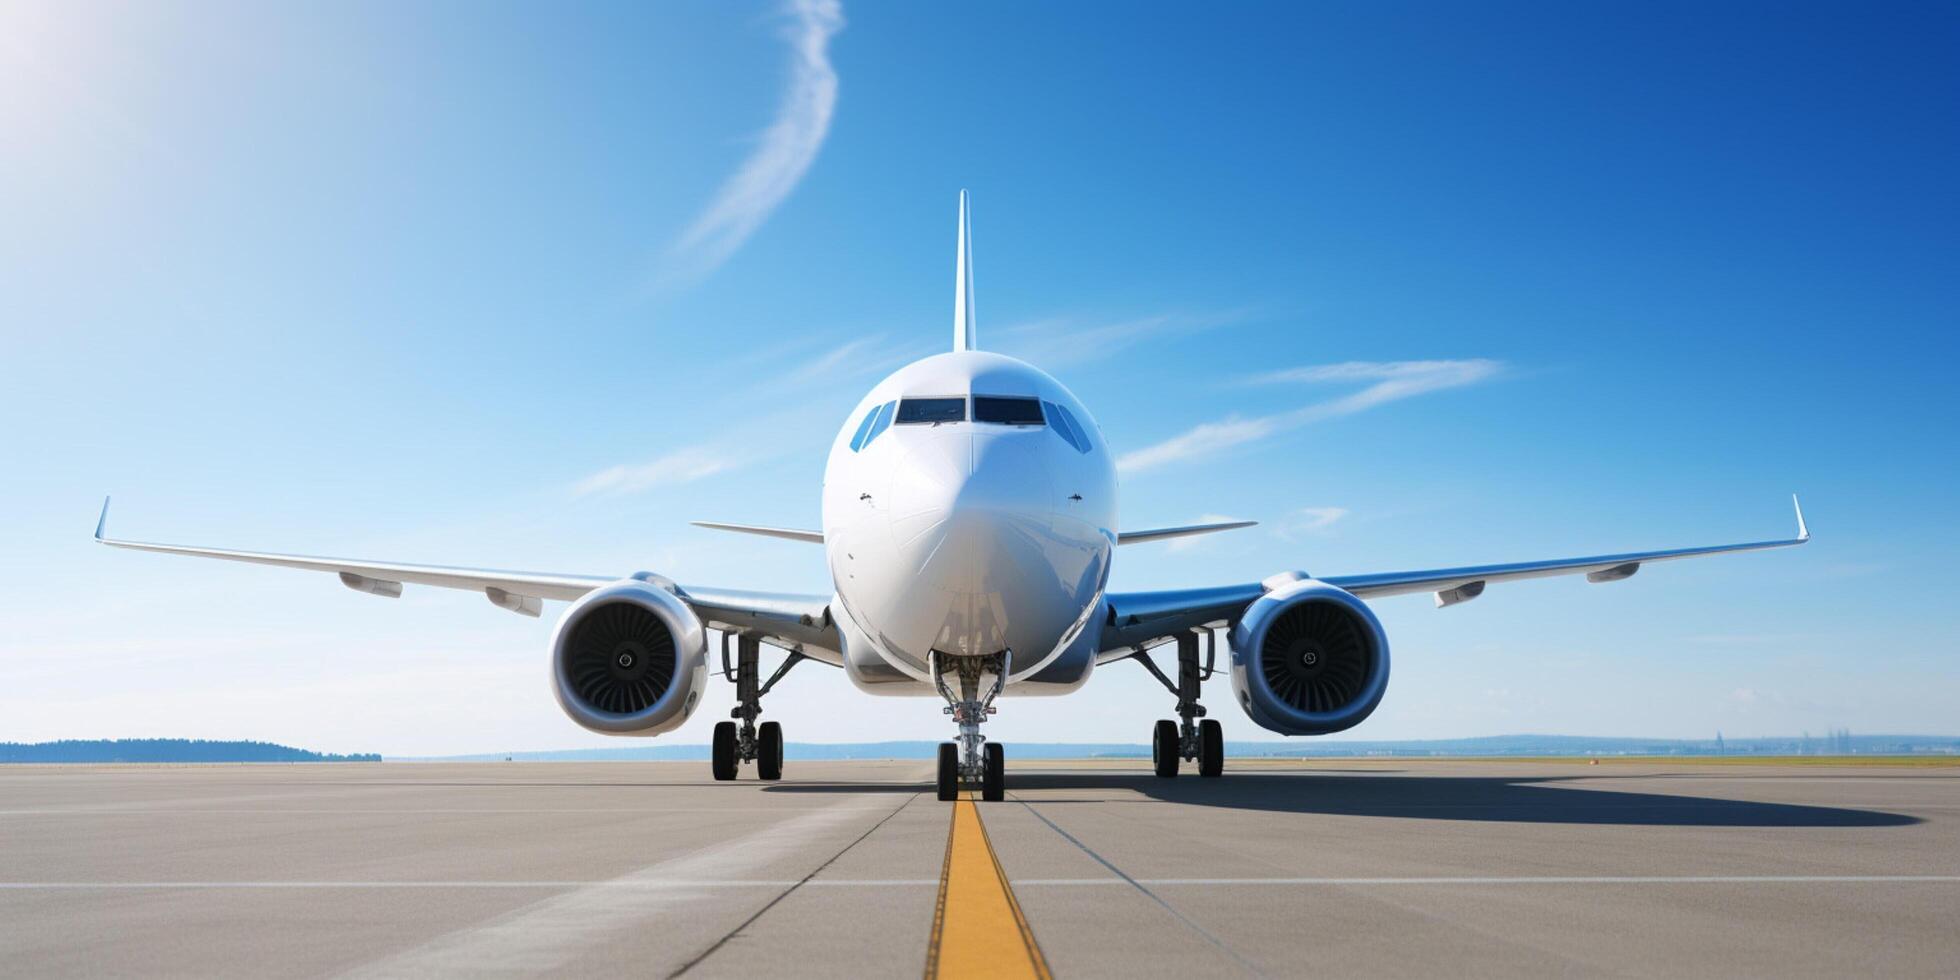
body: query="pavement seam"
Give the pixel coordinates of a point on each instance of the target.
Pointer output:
(1248, 966)
(785, 893)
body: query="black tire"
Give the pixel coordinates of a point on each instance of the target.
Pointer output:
(1164, 748)
(769, 751)
(949, 772)
(993, 779)
(724, 753)
(1211, 749)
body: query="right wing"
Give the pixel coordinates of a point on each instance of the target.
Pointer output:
(795, 619)
(1468, 582)
(1161, 533)
(1137, 618)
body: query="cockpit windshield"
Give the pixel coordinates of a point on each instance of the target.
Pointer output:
(1006, 411)
(917, 411)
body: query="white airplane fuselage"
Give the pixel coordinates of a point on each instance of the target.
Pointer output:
(967, 536)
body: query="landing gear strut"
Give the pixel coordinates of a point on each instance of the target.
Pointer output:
(1187, 739)
(972, 759)
(760, 744)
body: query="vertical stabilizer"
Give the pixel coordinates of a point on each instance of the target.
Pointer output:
(963, 330)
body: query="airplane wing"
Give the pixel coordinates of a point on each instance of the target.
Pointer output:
(796, 619)
(786, 533)
(1161, 533)
(1136, 618)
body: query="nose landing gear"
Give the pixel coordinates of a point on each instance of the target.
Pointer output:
(971, 759)
(1187, 739)
(760, 744)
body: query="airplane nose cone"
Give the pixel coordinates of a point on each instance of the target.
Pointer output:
(927, 484)
(974, 520)
(960, 501)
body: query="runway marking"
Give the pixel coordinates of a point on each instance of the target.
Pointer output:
(627, 884)
(976, 923)
(123, 811)
(1514, 880)
(660, 884)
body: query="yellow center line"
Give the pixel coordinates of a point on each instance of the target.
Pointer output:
(978, 929)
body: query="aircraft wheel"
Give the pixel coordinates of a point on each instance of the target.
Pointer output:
(949, 772)
(724, 751)
(1211, 749)
(769, 751)
(993, 782)
(1164, 748)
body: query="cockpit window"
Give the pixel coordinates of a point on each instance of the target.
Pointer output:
(864, 427)
(1006, 411)
(881, 418)
(1065, 425)
(913, 411)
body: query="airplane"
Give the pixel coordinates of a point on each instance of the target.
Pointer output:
(969, 523)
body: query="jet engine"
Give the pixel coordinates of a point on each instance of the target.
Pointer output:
(629, 659)
(1309, 659)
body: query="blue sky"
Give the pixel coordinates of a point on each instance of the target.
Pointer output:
(1412, 284)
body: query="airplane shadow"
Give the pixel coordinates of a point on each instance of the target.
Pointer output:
(1479, 798)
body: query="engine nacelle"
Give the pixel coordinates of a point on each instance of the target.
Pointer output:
(1308, 659)
(629, 659)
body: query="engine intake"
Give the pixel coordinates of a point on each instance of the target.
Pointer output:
(629, 659)
(1309, 659)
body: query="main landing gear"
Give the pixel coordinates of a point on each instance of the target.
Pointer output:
(760, 744)
(1187, 739)
(972, 759)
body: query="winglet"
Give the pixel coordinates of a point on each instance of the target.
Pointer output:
(100, 522)
(1803, 530)
(963, 327)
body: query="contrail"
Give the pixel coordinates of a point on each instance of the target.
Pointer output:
(787, 148)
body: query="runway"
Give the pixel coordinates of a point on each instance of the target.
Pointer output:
(1300, 868)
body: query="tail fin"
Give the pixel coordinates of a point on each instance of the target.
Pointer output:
(964, 337)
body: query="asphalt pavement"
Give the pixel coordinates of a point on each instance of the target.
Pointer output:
(1300, 868)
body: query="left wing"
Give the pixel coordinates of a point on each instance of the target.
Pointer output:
(786, 533)
(1138, 617)
(795, 619)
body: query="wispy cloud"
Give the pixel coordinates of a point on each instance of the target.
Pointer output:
(680, 466)
(1308, 520)
(874, 354)
(1747, 639)
(786, 379)
(837, 357)
(1390, 381)
(1060, 340)
(1370, 371)
(784, 153)
(1201, 440)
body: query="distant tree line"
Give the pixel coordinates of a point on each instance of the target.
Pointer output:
(165, 750)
